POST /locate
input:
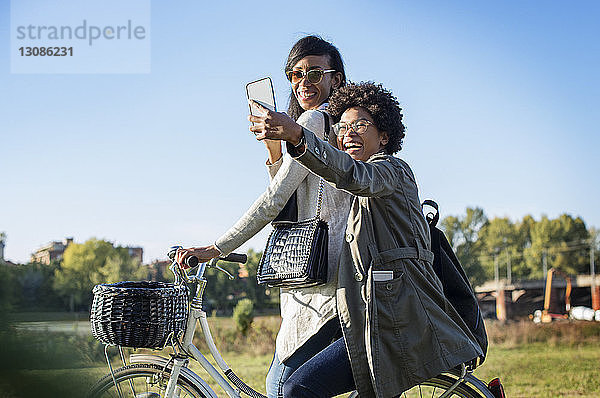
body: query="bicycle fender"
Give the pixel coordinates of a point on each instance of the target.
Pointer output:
(479, 385)
(199, 383)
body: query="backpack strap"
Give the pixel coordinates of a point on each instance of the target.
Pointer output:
(432, 218)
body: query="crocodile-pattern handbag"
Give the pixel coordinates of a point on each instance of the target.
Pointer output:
(296, 252)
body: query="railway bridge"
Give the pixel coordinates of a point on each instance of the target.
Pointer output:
(504, 299)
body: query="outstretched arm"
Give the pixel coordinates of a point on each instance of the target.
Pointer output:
(378, 177)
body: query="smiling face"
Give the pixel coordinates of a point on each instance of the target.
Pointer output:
(361, 146)
(311, 95)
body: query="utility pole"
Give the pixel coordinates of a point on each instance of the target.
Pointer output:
(592, 265)
(544, 263)
(496, 274)
(595, 289)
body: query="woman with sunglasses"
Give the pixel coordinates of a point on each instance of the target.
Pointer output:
(315, 69)
(399, 329)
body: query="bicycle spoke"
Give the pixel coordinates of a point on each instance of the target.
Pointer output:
(143, 381)
(132, 389)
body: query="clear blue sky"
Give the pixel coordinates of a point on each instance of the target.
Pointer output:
(500, 100)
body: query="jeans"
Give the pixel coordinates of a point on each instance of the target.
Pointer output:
(280, 372)
(327, 374)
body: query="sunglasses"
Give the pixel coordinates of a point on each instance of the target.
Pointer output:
(313, 76)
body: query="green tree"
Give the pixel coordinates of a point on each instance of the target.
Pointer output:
(34, 285)
(90, 263)
(120, 266)
(595, 239)
(259, 294)
(462, 233)
(504, 241)
(221, 292)
(243, 315)
(7, 295)
(564, 242)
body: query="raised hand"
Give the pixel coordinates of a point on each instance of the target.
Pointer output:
(274, 125)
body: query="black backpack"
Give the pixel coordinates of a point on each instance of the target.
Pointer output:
(457, 288)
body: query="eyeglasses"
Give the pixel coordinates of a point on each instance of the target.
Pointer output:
(358, 126)
(314, 76)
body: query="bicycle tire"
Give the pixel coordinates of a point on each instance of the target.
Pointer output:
(150, 381)
(438, 385)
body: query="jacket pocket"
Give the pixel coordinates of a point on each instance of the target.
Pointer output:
(388, 341)
(388, 301)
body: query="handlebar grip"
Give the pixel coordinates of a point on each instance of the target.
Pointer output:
(191, 261)
(236, 258)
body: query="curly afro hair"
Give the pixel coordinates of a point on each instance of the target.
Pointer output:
(381, 105)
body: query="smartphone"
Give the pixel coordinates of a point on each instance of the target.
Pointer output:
(261, 91)
(381, 276)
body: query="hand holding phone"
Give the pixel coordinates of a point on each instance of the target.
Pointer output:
(262, 92)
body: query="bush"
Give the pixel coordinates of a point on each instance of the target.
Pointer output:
(243, 315)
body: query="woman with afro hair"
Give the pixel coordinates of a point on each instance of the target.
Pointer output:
(398, 327)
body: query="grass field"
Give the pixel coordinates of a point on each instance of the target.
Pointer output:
(534, 370)
(557, 360)
(540, 370)
(529, 371)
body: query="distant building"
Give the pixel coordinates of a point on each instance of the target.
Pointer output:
(137, 253)
(52, 251)
(2, 245)
(158, 270)
(55, 250)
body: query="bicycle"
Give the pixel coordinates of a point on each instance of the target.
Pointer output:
(154, 376)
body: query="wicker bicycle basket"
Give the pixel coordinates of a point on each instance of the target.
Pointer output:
(138, 314)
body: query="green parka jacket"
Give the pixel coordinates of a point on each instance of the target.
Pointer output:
(402, 331)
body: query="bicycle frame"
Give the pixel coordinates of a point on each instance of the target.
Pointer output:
(189, 347)
(234, 387)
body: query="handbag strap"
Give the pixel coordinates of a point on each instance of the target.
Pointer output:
(321, 181)
(320, 198)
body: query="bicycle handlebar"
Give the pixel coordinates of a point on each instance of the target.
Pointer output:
(192, 261)
(236, 258)
(181, 274)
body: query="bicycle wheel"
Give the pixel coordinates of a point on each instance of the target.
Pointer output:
(142, 380)
(438, 385)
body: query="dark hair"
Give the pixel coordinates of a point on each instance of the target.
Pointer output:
(381, 105)
(312, 45)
